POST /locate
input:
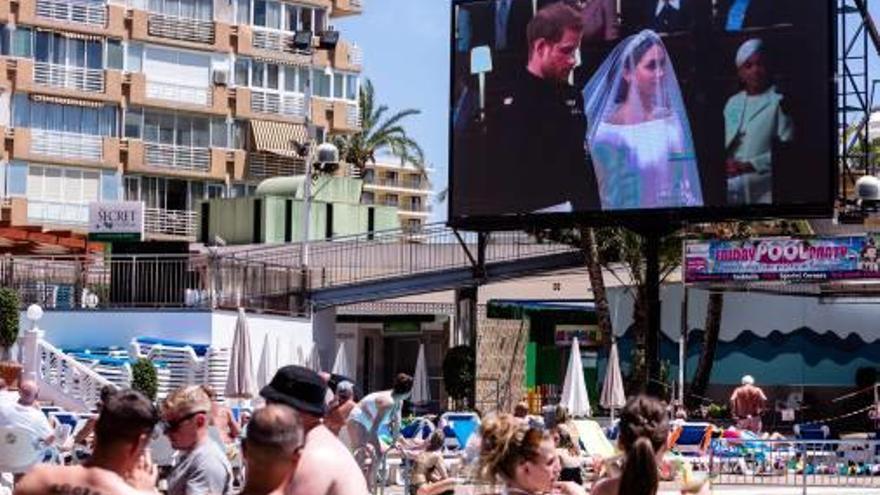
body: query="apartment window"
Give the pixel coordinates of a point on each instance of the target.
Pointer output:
(280, 15)
(338, 86)
(110, 185)
(263, 75)
(16, 178)
(59, 49)
(321, 83)
(21, 42)
(179, 129)
(115, 54)
(62, 185)
(190, 9)
(100, 121)
(351, 87)
(134, 60)
(177, 67)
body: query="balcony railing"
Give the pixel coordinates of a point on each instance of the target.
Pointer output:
(182, 93)
(91, 13)
(69, 77)
(355, 56)
(352, 116)
(181, 28)
(178, 223)
(266, 165)
(67, 145)
(415, 208)
(274, 40)
(173, 157)
(400, 183)
(57, 212)
(289, 105)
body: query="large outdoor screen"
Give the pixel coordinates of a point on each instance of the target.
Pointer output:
(616, 110)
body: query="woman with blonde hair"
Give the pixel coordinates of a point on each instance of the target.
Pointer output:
(520, 458)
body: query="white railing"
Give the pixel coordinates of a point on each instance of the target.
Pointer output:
(289, 105)
(69, 77)
(57, 212)
(181, 28)
(170, 156)
(179, 223)
(92, 13)
(194, 95)
(275, 40)
(67, 382)
(355, 56)
(352, 115)
(265, 165)
(67, 145)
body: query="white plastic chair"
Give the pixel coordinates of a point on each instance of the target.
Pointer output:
(19, 450)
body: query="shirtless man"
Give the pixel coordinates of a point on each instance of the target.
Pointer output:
(325, 466)
(271, 450)
(222, 419)
(118, 466)
(746, 403)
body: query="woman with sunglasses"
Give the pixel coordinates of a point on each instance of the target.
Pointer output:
(202, 467)
(522, 459)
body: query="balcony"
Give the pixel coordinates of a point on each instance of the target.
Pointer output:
(86, 13)
(172, 157)
(57, 213)
(263, 165)
(397, 183)
(287, 105)
(343, 8)
(270, 43)
(411, 208)
(181, 28)
(352, 116)
(172, 223)
(69, 77)
(181, 93)
(67, 145)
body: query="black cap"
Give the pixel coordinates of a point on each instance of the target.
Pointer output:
(299, 388)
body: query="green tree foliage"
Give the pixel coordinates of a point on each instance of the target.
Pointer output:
(10, 307)
(144, 378)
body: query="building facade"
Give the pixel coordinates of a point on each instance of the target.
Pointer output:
(404, 186)
(169, 102)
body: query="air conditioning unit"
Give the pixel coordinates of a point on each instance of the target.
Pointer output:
(221, 77)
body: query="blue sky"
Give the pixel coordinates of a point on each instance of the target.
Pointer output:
(406, 55)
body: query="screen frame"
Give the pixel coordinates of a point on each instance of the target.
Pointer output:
(645, 218)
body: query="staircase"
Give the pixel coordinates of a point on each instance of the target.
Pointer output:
(66, 382)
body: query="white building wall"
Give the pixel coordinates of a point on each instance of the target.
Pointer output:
(81, 329)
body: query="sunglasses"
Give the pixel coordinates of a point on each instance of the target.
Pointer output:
(171, 426)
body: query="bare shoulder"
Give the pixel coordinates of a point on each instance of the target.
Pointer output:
(36, 481)
(607, 486)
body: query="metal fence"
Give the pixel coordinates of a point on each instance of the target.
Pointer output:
(794, 463)
(372, 256)
(194, 281)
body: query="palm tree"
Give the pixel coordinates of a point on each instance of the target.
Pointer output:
(378, 132)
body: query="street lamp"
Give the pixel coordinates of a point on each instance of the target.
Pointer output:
(326, 156)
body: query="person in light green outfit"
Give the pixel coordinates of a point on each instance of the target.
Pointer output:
(754, 119)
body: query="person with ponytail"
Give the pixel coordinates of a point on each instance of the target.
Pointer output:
(520, 458)
(644, 430)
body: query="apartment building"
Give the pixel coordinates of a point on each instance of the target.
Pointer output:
(169, 102)
(389, 182)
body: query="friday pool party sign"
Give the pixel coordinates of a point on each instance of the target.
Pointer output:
(782, 259)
